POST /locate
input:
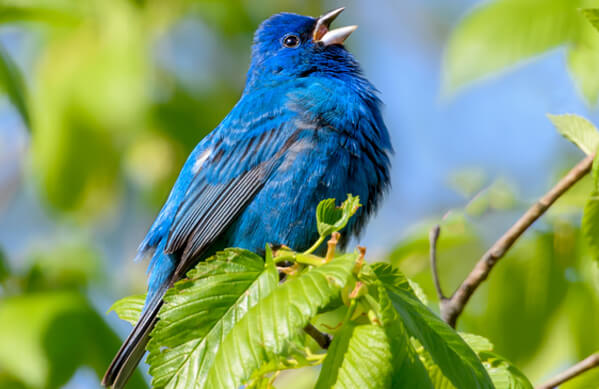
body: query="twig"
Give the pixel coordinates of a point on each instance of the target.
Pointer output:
(323, 340)
(433, 238)
(586, 364)
(452, 308)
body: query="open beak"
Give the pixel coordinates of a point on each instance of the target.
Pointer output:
(331, 37)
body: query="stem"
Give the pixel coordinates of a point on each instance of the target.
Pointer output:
(315, 245)
(323, 340)
(433, 239)
(350, 311)
(303, 258)
(309, 259)
(452, 307)
(588, 363)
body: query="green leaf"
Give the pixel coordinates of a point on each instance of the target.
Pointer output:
(583, 62)
(476, 342)
(330, 218)
(271, 327)
(56, 12)
(12, 83)
(90, 103)
(595, 173)
(592, 14)
(67, 265)
(200, 310)
(417, 289)
(129, 308)
(504, 374)
(439, 381)
(448, 350)
(359, 357)
(45, 337)
(590, 223)
(578, 130)
(501, 33)
(408, 372)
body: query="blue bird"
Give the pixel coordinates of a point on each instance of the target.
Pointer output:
(308, 126)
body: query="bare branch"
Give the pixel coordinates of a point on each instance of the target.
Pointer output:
(433, 238)
(323, 340)
(588, 363)
(453, 307)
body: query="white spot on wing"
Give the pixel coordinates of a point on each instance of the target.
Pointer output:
(200, 161)
(299, 147)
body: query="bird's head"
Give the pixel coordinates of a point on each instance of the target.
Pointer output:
(294, 46)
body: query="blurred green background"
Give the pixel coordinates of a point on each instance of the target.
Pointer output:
(103, 99)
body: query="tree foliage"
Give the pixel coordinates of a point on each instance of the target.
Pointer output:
(482, 45)
(231, 322)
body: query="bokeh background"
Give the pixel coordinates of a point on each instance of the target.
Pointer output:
(103, 99)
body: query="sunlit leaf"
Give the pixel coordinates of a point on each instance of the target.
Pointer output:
(578, 130)
(272, 326)
(359, 357)
(129, 308)
(330, 218)
(417, 289)
(504, 374)
(583, 62)
(448, 350)
(200, 310)
(408, 370)
(501, 33)
(438, 380)
(89, 102)
(476, 342)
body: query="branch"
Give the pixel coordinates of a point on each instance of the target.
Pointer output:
(323, 340)
(452, 308)
(433, 238)
(586, 364)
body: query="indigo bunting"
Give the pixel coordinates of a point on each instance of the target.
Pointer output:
(308, 126)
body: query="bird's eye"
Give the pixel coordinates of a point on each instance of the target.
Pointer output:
(291, 41)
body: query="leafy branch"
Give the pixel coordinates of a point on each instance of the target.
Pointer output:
(586, 137)
(582, 133)
(452, 307)
(233, 321)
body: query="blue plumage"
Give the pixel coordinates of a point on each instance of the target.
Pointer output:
(307, 127)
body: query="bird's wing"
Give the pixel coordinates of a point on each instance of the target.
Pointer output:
(235, 169)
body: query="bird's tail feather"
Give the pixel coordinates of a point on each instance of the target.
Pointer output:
(133, 349)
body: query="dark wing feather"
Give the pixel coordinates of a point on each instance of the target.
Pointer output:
(209, 207)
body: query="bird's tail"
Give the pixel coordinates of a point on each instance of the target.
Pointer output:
(133, 349)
